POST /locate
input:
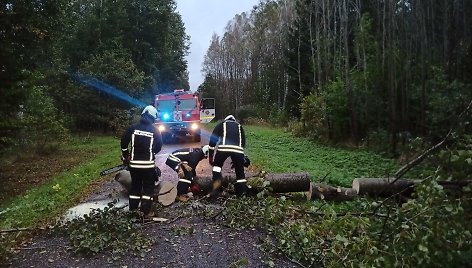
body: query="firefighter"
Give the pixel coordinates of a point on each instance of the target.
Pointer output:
(145, 142)
(184, 162)
(228, 140)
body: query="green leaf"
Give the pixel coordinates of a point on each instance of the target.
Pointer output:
(454, 158)
(422, 248)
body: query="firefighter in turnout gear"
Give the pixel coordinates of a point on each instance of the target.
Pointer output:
(145, 142)
(228, 140)
(184, 162)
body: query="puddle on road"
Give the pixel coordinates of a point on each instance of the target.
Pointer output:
(87, 207)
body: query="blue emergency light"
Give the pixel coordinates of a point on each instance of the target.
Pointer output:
(188, 114)
(166, 116)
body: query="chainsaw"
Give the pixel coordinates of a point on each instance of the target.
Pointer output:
(113, 169)
(123, 167)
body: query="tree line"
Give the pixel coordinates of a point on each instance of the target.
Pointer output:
(346, 70)
(135, 46)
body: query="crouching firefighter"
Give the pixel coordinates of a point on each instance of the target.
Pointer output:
(184, 162)
(228, 140)
(145, 142)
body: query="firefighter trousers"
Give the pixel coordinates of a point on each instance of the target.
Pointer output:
(142, 189)
(240, 186)
(185, 182)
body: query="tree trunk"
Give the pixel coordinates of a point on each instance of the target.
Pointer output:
(382, 187)
(330, 193)
(279, 182)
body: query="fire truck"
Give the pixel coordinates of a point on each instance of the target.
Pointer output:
(181, 113)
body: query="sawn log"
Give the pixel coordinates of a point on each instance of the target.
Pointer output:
(383, 187)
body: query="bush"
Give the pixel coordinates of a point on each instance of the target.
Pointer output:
(44, 127)
(245, 112)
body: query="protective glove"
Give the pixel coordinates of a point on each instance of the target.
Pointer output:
(247, 162)
(187, 167)
(125, 160)
(180, 172)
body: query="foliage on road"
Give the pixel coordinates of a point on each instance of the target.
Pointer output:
(111, 229)
(430, 230)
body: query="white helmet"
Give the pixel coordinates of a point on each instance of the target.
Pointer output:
(151, 110)
(230, 117)
(205, 150)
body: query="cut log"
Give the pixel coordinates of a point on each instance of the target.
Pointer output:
(330, 193)
(383, 187)
(279, 182)
(167, 192)
(124, 178)
(164, 192)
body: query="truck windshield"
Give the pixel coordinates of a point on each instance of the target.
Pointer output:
(166, 105)
(188, 104)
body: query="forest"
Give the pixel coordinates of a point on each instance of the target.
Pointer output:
(138, 47)
(367, 72)
(376, 73)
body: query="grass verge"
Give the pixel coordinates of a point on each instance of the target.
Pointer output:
(55, 196)
(277, 151)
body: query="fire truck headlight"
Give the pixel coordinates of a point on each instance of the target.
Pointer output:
(161, 128)
(166, 116)
(194, 126)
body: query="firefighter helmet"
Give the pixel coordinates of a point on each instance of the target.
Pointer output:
(230, 117)
(150, 110)
(205, 150)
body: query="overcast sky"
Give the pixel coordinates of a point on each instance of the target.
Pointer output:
(202, 18)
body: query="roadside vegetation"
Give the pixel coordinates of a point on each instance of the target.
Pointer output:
(55, 191)
(384, 232)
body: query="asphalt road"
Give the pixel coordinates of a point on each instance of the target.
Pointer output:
(210, 244)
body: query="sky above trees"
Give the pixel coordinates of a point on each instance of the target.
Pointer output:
(202, 18)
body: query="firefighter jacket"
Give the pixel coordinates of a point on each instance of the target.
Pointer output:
(190, 155)
(227, 136)
(145, 143)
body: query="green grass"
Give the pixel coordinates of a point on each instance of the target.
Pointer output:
(269, 149)
(276, 151)
(63, 191)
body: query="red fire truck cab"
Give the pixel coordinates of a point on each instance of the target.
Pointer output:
(181, 113)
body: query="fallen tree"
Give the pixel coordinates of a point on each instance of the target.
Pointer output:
(278, 182)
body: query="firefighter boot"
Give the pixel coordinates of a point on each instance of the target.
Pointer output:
(148, 216)
(240, 188)
(182, 198)
(217, 190)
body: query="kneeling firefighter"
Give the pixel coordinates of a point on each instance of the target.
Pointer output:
(184, 161)
(228, 140)
(145, 142)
